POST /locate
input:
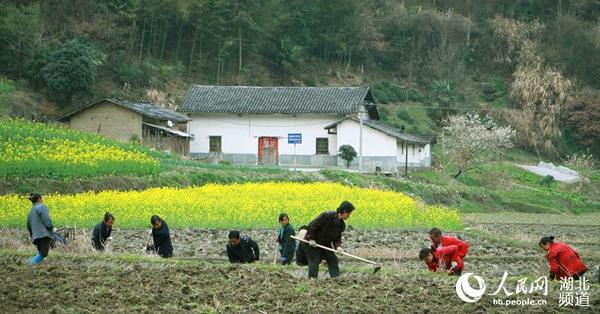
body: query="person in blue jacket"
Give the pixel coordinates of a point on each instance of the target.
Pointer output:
(40, 228)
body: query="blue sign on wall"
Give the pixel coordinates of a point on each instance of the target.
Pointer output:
(295, 138)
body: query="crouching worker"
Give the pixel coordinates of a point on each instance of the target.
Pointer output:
(242, 250)
(287, 245)
(102, 232)
(326, 230)
(438, 241)
(40, 228)
(447, 256)
(564, 260)
(162, 239)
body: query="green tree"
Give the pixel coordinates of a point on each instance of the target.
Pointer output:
(20, 37)
(442, 100)
(293, 37)
(547, 181)
(72, 69)
(347, 153)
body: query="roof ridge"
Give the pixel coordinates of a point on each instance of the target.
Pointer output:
(290, 87)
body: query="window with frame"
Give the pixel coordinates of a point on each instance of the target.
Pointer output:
(322, 146)
(214, 144)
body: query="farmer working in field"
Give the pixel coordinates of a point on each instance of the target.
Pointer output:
(101, 235)
(564, 260)
(448, 256)
(242, 249)
(161, 237)
(287, 245)
(438, 240)
(326, 230)
(40, 228)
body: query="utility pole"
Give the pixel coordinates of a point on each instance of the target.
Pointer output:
(406, 160)
(360, 140)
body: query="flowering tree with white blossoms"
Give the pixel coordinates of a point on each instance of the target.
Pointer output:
(469, 140)
(585, 164)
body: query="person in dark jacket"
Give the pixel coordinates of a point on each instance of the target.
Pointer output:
(102, 231)
(40, 228)
(287, 245)
(162, 239)
(242, 249)
(326, 230)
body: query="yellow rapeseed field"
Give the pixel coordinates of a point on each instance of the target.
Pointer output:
(66, 151)
(246, 205)
(36, 149)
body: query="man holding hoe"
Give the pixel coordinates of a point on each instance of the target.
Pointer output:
(326, 230)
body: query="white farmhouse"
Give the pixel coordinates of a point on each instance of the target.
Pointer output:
(251, 125)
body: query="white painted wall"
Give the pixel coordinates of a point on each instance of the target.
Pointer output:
(416, 153)
(239, 134)
(375, 143)
(333, 148)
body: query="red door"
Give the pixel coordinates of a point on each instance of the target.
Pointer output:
(268, 151)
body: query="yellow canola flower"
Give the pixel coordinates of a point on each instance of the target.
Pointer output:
(246, 205)
(28, 148)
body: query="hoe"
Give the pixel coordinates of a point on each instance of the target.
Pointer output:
(377, 265)
(147, 241)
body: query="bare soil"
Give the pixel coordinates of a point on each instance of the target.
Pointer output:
(200, 279)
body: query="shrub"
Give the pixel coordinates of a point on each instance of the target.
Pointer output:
(347, 153)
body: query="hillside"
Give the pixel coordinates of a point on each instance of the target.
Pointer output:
(423, 59)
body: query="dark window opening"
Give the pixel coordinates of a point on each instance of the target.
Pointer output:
(214, 144)
(322, 146)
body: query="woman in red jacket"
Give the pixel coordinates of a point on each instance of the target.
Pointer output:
(564, 260)
(448, 256)
(438, 240)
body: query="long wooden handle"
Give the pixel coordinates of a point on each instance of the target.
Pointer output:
(148, 240)
(336, 251)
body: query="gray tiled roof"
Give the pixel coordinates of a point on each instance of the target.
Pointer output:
(389, 130)
(144, 108)
(274, 100)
